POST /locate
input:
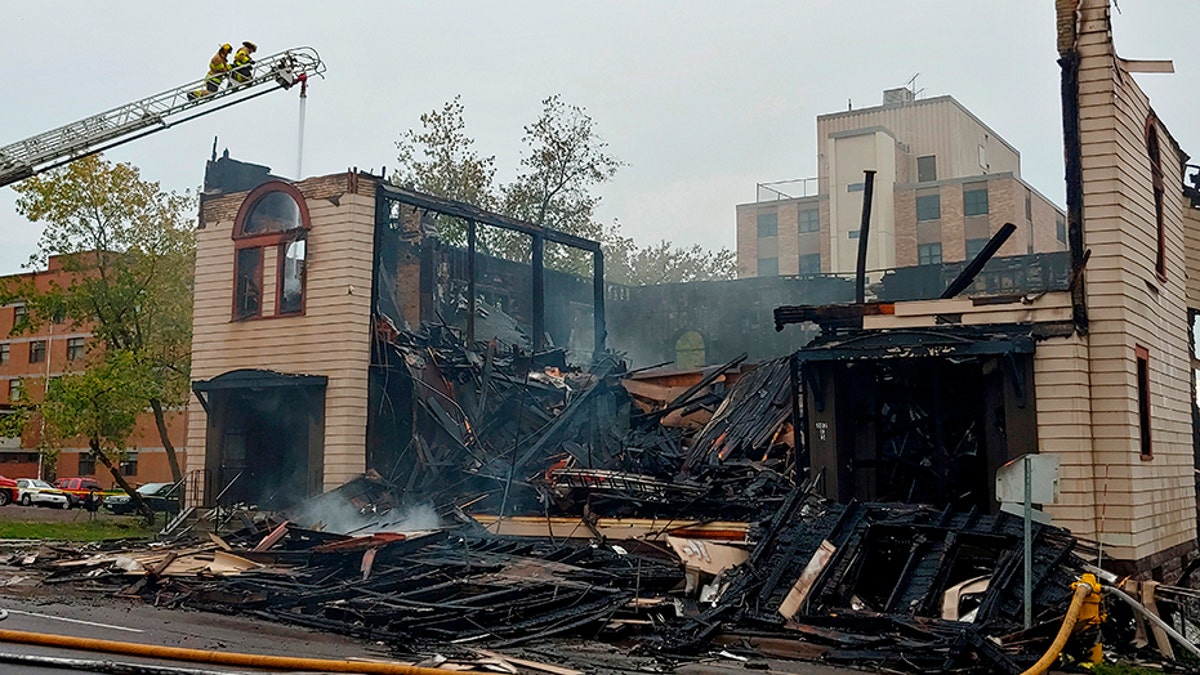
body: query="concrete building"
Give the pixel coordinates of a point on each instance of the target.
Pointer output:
(944, 183)
(28, 356)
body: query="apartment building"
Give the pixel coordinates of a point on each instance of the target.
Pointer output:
(29, 358)
(944, 183)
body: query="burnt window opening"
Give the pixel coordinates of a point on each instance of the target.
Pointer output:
(1143, 385)
(1154, 151)
(247, 299)
(291, 277)
(274, 216)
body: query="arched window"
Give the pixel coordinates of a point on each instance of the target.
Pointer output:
(273, 217)
(1154, 151)
(689, 350)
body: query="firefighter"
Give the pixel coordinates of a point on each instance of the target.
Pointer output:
(218, 68)
(243, 64)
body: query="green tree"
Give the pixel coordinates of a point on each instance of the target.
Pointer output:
(129, 249)
(440, 159)
(664, 263)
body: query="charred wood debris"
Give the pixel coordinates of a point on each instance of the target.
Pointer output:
(735, 557)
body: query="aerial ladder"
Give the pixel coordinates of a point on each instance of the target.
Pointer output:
(132, 121)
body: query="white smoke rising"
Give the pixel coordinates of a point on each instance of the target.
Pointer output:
(342, 517)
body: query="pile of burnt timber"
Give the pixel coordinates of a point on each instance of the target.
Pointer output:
(884, 584)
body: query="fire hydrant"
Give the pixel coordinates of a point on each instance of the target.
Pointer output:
(1090, 614)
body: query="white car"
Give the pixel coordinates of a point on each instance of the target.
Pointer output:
(31, 491)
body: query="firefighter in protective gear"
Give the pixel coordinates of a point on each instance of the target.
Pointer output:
(218, 68)
(243, 64)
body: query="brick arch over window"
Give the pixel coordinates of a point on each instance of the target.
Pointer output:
(274, 216)
(1154, 153)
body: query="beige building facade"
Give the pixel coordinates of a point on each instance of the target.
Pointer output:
(944, 183)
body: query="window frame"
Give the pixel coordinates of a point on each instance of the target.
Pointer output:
(87, 460)
(262, 241)
(1145, 429)
(933, 160)
(5, 353)
(38, 348)
(803, 220)
(759, 270)
(921, 248)
(937, 197)
(809, 256)
(986, 201)
(759, 219)
(980, 242)
(128, 466)
(76, 348)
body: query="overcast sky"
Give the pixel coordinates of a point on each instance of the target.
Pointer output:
(702, 99)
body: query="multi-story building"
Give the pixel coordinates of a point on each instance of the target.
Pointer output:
(944, 183)
(29, 358)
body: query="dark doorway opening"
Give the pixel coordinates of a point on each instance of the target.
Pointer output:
(265, 437)
(903, 425)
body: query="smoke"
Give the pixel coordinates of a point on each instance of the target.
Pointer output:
(341, 516)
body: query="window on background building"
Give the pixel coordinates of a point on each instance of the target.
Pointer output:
(37, 351)
(1028, 205)
(87, 464)
(974, 246)
(273, 215)
(852, 234)
(1143, 384)
(5, 351)
(1156, 180)
(768, 267)
(14, 390)
(689, 350)
(768, 224)
(810, 220)
(856, 187)
(1060, 229)
(926, 169)
(975, 200)
(129, 464)
(74, 349)
(810, 263)
(929, 207)
(20, 315)
(929, 254)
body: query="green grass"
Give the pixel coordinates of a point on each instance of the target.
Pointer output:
(96, 530)
(1124, 669)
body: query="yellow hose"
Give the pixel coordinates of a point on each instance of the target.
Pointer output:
(221, 658)
(1082, 592)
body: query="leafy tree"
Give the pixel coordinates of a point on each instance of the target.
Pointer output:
(129, 249)
(441, 160)
(564, 162)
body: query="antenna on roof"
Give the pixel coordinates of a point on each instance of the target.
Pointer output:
(912, 86)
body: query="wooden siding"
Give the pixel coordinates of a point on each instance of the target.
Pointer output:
(332, 338)
(1142, 506)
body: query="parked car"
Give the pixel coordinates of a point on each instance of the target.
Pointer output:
(34, 492)
(80, 489)
(160, 497)
(8, 491)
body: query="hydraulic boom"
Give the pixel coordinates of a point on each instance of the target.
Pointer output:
(131, 121)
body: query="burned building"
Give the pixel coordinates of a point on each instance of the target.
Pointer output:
(924, 400)
(298, 285)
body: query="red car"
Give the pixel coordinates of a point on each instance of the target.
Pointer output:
(78, 490)
(8, 491)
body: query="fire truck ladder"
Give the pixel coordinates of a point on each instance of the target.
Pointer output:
(132, 121)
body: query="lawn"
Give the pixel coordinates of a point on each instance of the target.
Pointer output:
(84, 530)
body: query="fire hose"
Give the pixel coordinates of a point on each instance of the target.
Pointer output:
(264, 661)
(1087, 594)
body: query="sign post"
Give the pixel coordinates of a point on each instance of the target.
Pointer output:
(1027, 479)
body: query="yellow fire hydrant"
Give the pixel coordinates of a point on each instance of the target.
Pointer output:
(1083, 614)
